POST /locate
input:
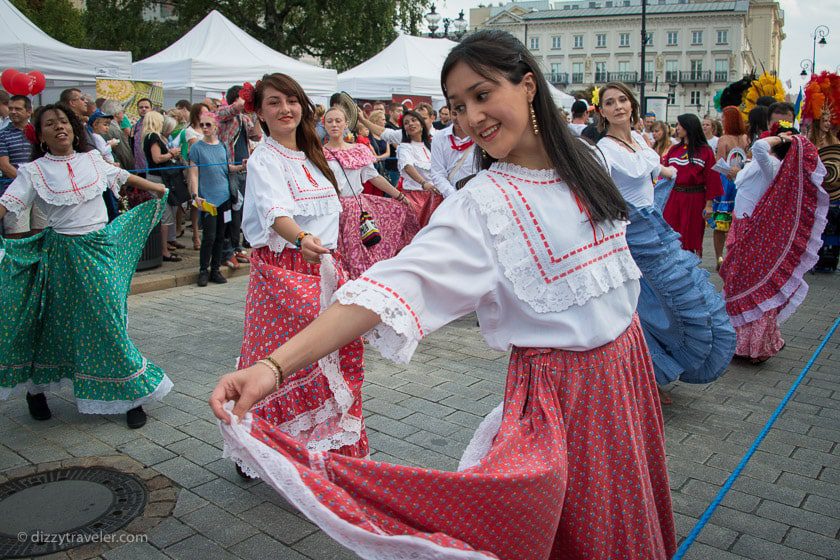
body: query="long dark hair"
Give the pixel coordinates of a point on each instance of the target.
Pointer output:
(424, 135)
(758, 121)
(491, 53)
(604, 124)
(305, 136)
(694, 137)
(80, 141)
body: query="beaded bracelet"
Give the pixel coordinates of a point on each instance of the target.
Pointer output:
(299, 238)
(272, 364)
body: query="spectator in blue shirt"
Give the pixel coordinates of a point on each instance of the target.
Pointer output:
(15, 150)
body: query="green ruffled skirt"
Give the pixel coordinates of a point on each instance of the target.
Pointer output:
(64, 307)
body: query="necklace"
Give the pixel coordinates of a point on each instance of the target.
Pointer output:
(628, 146)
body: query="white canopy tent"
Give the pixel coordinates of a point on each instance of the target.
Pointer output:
(25, 47)
(561, 98)
(216, 54)
(409, 65)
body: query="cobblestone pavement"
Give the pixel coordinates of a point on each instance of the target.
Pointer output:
(786, 504)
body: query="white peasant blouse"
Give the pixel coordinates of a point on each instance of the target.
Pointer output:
(514, 246)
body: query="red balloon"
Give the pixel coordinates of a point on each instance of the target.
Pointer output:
(19, 84)
(37, 82)
(6, 78)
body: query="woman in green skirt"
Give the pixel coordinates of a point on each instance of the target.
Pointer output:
(63, 291)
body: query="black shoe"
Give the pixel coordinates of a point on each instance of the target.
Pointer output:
(135, 418)
(203, 277)
(217, 278)
(38, 407)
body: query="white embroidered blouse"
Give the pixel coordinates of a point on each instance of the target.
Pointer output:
(68, 189)
(283, 182)
(418, 155)
(633, 173)
(513, 246)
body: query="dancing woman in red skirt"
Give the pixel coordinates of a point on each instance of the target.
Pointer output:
(573, 464)
(290, 217)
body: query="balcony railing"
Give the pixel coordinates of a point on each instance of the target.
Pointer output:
(600, 77)
(721, 77)
(560, 78)
(649, 76)
(696, 77)
(577, 78)
(626, 77)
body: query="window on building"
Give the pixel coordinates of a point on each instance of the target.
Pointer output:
(535, 43)
(623, 39)
(671, 71)
(694, 98)
(556, 43)
(648, 71)
(696, 68)
(556, 70)
(623, 66)
(722, 36)
(672, 98)
(673, 38)
(600, 71)
(578, 41)
(697, 37)
(601, 40)
(577, 72)
(649, 39)
(721, 70)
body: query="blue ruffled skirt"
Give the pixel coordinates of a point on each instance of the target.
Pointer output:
(684, 318)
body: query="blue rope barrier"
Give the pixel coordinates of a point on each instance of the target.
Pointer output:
(704, 519)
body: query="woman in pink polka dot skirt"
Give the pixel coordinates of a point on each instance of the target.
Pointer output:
(572, 465)
(291, 218)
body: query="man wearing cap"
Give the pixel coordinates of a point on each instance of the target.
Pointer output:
(580, 118)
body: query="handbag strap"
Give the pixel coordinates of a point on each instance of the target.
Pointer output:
(349, 183)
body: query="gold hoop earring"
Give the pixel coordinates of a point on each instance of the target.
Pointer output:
(534, 120)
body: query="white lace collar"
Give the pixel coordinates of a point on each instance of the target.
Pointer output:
(547, 247)
(279, 149)
(67, 180)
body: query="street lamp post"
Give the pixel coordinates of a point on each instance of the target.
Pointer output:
(805, 64)
(434, 19)
(820, 32)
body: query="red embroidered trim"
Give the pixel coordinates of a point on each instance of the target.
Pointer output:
(74, 187)
(459, 147)
(400, 299)
(281, 153)
(524, 180)
(542, 236)
(10, 195)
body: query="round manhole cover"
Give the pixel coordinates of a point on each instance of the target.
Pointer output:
(65, 508)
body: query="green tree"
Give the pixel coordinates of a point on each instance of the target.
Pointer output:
(341, 33)
(57, 18)
(119, 25)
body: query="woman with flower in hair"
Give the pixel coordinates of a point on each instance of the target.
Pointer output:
(572, 465)
(778, 219)
(352, 165)
(291, 218)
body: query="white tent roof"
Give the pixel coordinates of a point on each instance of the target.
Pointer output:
(409, 65)
(216, 54)
(561, 98)
(25, 47)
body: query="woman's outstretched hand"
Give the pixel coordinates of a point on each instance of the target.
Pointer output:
(245, 387)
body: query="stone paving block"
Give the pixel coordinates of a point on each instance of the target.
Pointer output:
(755, 468)
(278, 523)
(388, 426)
(227, 495)
(813, 543)
(758, 549)
(168, 532)
(263, 547)
(734, 499)
(830, 475)
(706, 473)
(187, 502)
(135, 551)
(207, 432)
(428, 408)
(219, 525)
(145, 451)
(712, 535)
(809, 485)
(818, 458)
(801, 518)
(465, 419)
(479, 408)
(440, 427)
(9, 459)
(760, 527)
(196, 451)
(446, 446)
(198, 547)
(389, 410)
(184, 472)
(766, 490)
(700, 551)
(822, 506)
(319, 545)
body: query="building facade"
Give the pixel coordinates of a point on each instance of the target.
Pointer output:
(694, 47)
